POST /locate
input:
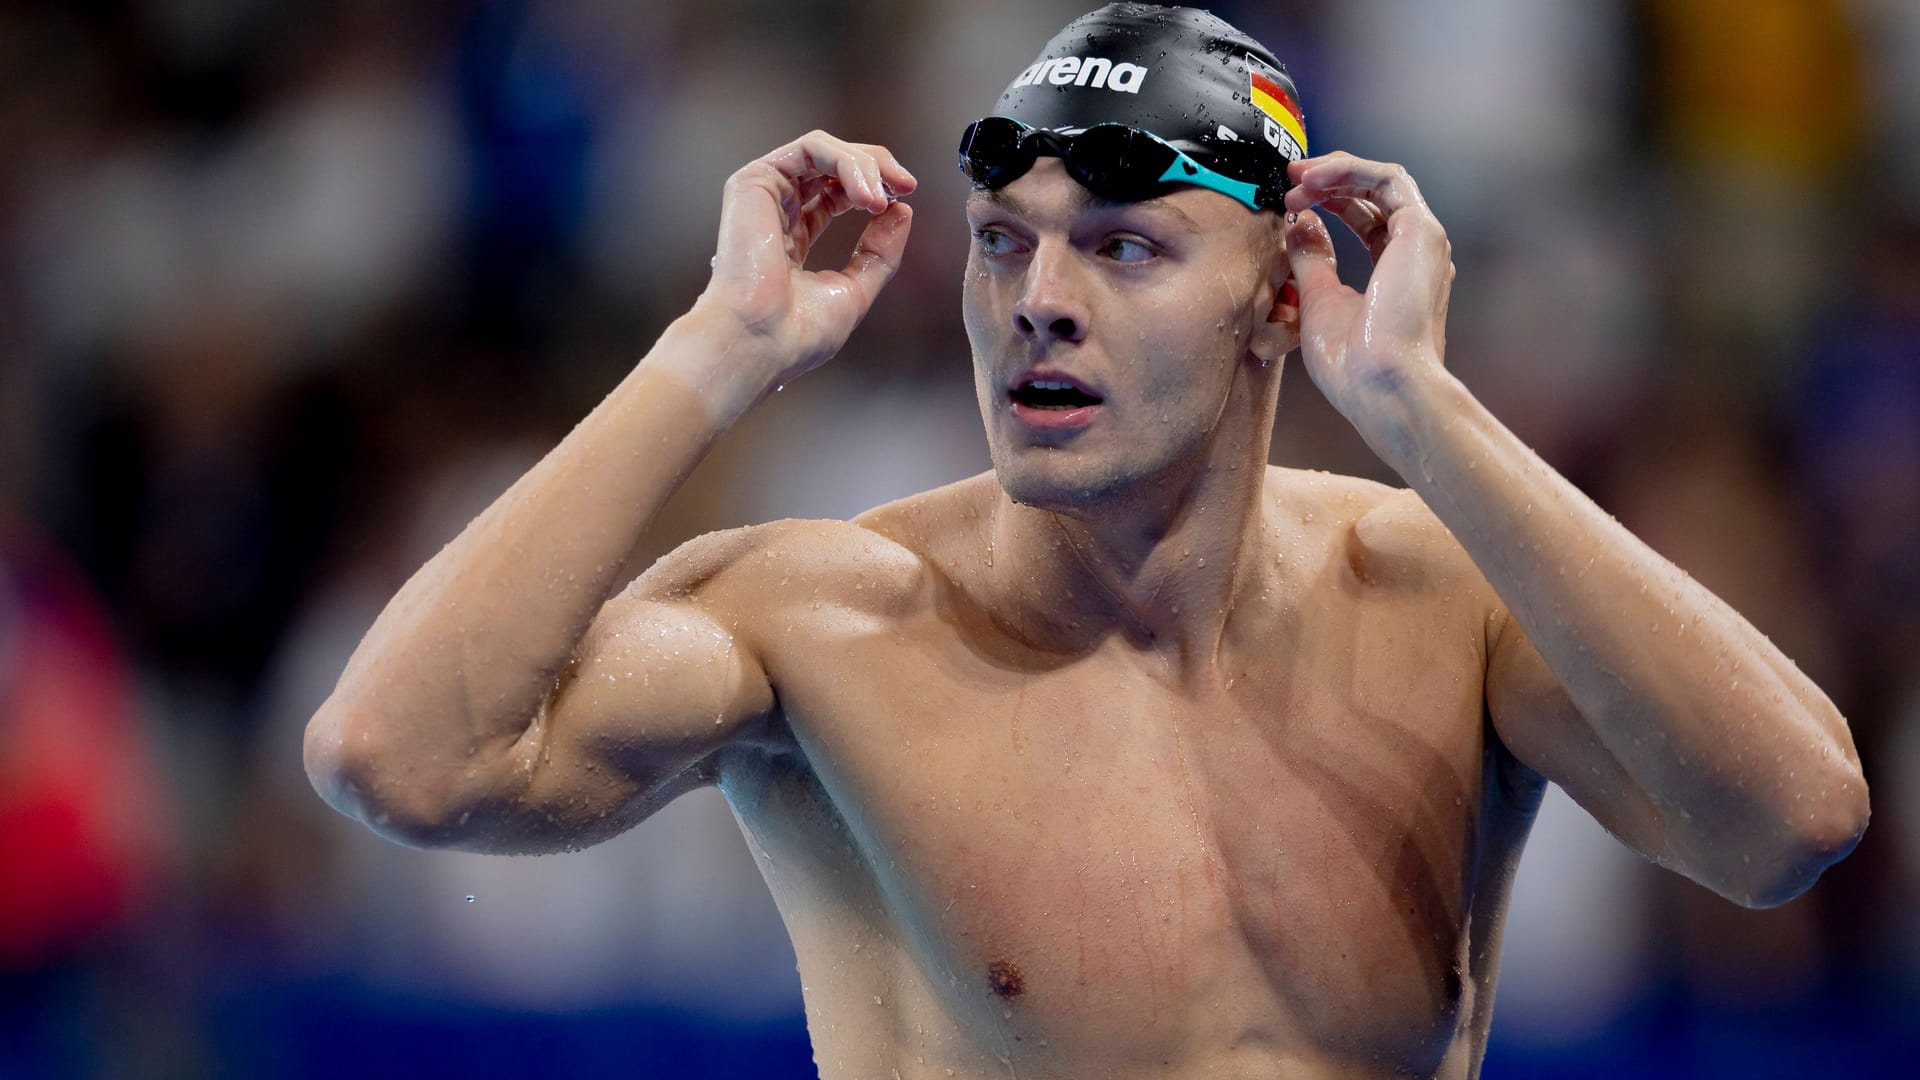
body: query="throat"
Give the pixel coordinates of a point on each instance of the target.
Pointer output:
(1167, 577)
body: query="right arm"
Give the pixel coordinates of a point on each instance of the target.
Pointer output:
(505, 700)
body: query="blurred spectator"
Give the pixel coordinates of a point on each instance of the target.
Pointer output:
(86, 829)
(288, 290)
(1890, 37)
(1758, 110)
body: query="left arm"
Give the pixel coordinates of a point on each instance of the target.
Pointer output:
(1613, 673)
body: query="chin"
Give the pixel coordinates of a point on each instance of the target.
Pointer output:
(1052, 481)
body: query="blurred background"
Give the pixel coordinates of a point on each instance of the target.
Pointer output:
(290, 290)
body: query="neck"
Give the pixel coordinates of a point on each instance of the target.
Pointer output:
(1161, 562)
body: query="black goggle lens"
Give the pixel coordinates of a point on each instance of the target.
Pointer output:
(1118, 163)
(1112, 161)
(994, 152)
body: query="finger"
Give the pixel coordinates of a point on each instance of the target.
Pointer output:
(1299, 166)
(1310, 254)
(1418, 260)
(754, 207)
(877, 256)
(809, 224)
(1388, 186)
(818, 153)
(893, 175)
(760, 200)
(1417, 248)
(1366, 219)
(767, 196)
(829, 189)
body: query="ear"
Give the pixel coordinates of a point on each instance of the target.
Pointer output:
(1277, 333)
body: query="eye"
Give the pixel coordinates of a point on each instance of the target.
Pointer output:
(1126, 249)
(993, 242)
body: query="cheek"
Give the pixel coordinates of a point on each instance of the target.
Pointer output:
(1188, 344)
(1202, 307)
(1202, 330)
(979, 306)
(983, 327)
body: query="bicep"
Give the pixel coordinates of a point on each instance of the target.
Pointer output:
(655, 689)
(1539, 724)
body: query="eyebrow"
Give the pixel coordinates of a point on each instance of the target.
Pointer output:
(999, 197)
(1082, 200)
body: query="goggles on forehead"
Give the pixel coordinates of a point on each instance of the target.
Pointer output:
(1114, 161)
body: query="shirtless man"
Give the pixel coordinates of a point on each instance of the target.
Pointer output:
(1135, 756)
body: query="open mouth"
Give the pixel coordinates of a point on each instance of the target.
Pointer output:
(1056, 394)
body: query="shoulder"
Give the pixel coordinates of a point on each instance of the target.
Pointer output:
(774, 560)
(1316, 491)
(1392, 538)
(927, 521)
(880, 560)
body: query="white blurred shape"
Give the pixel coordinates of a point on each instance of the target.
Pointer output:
(344, 199)
(1478, 98)
(339, 203)
(849, 446)
(1572, 958)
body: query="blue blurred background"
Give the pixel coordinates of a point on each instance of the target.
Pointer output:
(289, 290)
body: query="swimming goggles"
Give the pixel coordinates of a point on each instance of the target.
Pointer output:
(1114, 161)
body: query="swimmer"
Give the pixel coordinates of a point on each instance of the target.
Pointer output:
(1134, 756)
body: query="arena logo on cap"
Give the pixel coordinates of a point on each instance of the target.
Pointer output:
(1095, 71)
(1284, 127)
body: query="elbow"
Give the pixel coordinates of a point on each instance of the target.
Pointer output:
(331, 764)
(350, 770)
(1814, 838)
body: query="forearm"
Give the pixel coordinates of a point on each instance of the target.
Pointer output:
(1664, 708)
(1692, 701)
(464, 655)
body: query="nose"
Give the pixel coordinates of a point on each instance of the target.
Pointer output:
(1050, 307)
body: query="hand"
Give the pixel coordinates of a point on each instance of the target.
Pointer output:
(1360, 347)
(773, 210)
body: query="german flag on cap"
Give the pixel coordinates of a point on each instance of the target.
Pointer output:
(1271, 93)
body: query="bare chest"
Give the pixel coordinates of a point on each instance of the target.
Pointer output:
(1078, 854)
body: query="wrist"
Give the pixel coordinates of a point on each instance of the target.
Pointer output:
(725, 364)
(1398, 418)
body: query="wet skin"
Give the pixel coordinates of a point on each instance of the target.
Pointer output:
(1038, 796)
(996, 858)
(1135, 756)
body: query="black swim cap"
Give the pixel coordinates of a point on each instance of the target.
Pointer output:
(1183, 74)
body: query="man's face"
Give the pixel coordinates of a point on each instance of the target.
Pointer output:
(1149, 307)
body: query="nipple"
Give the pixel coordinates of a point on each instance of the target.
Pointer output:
(1005, 980)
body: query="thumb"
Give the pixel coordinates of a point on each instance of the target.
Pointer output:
(1310, 253)
(877, 256)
